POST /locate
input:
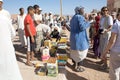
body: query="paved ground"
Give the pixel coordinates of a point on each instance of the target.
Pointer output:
(92, 71)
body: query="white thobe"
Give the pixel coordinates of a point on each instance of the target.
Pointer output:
(8, 65)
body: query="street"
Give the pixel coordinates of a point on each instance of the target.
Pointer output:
(92, 70)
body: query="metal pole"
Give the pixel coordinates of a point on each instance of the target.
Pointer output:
(60, 8)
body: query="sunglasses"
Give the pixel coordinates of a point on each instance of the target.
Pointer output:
(105, 10)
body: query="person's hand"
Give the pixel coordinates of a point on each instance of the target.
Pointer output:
(86, 16)
(32, 39)
(104, 57)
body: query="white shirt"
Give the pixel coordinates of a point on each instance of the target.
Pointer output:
(5, 13)
(45, 28)
(50, 19)
(110, 21)
(38, 17)
(8, 65)
(20, 21)
(116, 29)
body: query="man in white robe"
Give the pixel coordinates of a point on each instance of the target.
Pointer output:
(8, 65)
(3, 11)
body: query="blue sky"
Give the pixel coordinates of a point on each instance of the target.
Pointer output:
(54, 5)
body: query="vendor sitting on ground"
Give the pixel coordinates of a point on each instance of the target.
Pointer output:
(55, 34)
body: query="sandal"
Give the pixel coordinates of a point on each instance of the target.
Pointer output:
(104, 67)
(79, 69)
(33, 59)
(29, 63)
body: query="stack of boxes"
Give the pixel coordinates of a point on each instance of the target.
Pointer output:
(61, 52)
(54, 55)
(52, 67)
(45, 54)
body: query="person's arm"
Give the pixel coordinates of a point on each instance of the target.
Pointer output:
(83, 24)
(37, 22)
(110, 44)
(110, 22)
(13, 34)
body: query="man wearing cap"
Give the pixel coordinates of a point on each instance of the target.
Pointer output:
(78, 38)
(39, 31)
(3, 11)
(37, 15)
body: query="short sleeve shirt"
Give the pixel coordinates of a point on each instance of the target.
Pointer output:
(29, 21)
(116, 29)
(110, 21)
(38, 17)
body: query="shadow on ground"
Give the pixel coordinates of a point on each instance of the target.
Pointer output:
(89, 63)
(74, 76)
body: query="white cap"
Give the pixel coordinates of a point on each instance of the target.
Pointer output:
(1, 0)
(40, 9)
(50, 12)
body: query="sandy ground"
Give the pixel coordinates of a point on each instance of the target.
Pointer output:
(92, 70)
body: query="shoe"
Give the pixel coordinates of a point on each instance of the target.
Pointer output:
(100, 62)
(79, 69)
(104, 67)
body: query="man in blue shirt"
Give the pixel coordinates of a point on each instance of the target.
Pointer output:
(78, 37)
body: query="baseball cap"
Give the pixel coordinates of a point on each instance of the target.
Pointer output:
(40, 9)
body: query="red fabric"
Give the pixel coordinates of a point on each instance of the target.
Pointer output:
(97, 19)
(29, 20)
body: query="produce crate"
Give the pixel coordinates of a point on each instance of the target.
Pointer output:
(52, 67)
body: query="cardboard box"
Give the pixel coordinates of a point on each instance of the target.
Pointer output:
(62, 56)
(62, 63)
(47, 43)
(52, 67)
(63, 39)
(41, 70)
(62, 45)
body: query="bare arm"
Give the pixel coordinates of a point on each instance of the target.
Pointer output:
(37, 22)
(109, 28)
(110, 44)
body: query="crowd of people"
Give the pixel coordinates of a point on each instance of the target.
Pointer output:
(35, 27)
